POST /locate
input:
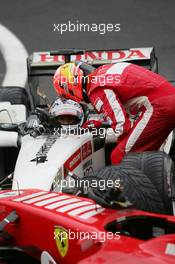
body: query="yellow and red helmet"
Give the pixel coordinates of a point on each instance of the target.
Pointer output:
(68, 80)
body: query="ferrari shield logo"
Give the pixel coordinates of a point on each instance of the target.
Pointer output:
(62, 240)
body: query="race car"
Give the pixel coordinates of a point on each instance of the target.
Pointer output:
(48, 227)
(27, 157)
(34, 165)
(17, 103)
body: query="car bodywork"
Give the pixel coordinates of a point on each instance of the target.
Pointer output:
(61, 228)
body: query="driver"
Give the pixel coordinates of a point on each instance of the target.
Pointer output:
(68, 113)
(126, 89)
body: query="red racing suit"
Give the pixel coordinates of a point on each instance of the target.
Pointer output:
(123, 89)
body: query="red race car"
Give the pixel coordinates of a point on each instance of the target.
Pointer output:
(60, 228)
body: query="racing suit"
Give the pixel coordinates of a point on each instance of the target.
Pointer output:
(122, 90)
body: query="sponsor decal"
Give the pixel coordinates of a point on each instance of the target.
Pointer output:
(87, 164)
(88, 168)
(118, 55)
(80, 155)
(88, 171)
(73, 161)
(41, 155)
(86, 150)
(62, 241)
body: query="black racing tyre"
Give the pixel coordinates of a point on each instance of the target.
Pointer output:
(15, 255)
(2, 169)
(159, 168)
(137, 187)
(15, 95)
(172, 149)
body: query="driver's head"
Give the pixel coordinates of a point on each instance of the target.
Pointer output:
(68, 120)
(68, 81)
(67, 112)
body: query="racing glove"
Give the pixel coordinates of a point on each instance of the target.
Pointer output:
(85, 67)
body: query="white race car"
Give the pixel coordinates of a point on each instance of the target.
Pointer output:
(34, 154)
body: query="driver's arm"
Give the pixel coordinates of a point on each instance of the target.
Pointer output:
(106, 101)
(86, 68)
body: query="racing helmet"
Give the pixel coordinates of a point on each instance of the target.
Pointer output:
(67, 113)
(68, 81)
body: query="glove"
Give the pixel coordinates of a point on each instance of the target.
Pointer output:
(92, 124)
(85, 67)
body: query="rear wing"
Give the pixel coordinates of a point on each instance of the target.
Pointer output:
(45, 63)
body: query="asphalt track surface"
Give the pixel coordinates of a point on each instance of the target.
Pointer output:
(143, 23)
